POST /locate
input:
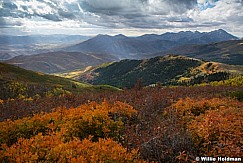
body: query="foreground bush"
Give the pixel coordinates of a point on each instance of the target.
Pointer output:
(215, 125)
(161, 133)
(103, 120)
(88, 133)
(52, 148)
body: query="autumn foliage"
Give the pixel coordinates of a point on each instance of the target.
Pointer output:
(155, 124)
(88, 133)
(215, 125)
(52, 148)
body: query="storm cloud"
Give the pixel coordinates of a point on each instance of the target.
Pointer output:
(132, 14)
(136, 13)
(112, 11)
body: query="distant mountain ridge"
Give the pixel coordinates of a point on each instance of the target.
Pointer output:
(136, 47)
(229, 52)
(121, 46)
(190, 37)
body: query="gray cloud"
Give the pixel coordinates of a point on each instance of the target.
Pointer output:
(137, 13)
(107, 13)
(9, 5)
(9, 23)
(119, 14)
(136, 7)
(52, 17)
(50, 10)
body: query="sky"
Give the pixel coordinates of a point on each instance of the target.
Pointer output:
(128, 17)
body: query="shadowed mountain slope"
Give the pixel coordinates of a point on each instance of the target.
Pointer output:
(229, 52)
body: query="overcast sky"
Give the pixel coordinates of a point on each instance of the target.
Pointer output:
(129, 17)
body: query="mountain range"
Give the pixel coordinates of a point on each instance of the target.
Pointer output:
(139, 47)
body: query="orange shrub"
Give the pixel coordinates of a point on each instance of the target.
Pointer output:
(99, 120)
(10, 131)
(51, 148)
(188, 108)
(215, 125)
(219, 132)
(61, 136)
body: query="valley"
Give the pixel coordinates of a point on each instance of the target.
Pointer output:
(11, 46)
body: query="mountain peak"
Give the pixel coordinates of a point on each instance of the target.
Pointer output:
(101, 35)
(222, 34)
(185, 32)
(219, 31)
(120, 36)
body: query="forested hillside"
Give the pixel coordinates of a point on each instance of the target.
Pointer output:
(167, 70)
